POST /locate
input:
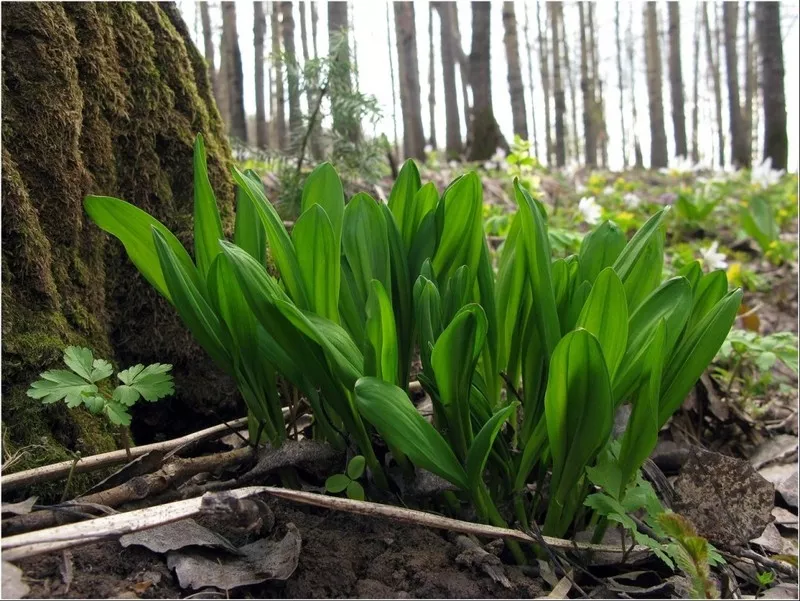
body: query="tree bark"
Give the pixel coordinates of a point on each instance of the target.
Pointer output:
(485, 136)
(544, 68)
(118, 91)
(749, 80)
(312, 90)
(620, 87)
(519, 113)
(770, 44)
(279, 103)
(338, 37)
(676, 80)
(637, 148)
(453, 146)
(713, 67)
(739, 149)
(259, 31)
(696, 86)
(208, 44)
(463, 63)
(558, 86)
(292, 76)
(314, 22)
(573, 97)
(237, 125)
(601, 135)
(590, 142)
(431, 80)
(529, 52)
(391, 74)
(658, 136)
(408, 73)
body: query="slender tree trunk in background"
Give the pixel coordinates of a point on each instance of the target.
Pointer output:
(312, 92)
(314, 21)
(463, 63)
(516, 89)
(558, 87)
(770, 44)
(338, 37)
(208, 44)
(588, 102)
(599, 112)
(739, 153)
(652, 51)
(221, 93)
(637, 148)
(749, 80)
(391, 74)
(573, 97)
(259, 30)
(408, 72)
(453, 146)
(279, 119)
(676, 80)
(696, 86)
(352, 29)
(713, 68)
(292, 77)
(237, 126)
(431, 80)
(529, 53)
(620, 86)
(485, 136)
(544, 68)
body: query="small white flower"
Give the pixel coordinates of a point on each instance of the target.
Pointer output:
(764, 175)
(589, 210)
(581, 189)
(488, 165)
(608, 191)
(453, 164)
(499, 155)
(631, 200)
(713, 259)
(428, 148)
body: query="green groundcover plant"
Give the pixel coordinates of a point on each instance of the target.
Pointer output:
(525, 363)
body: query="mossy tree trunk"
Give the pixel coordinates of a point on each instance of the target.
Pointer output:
(98, 99)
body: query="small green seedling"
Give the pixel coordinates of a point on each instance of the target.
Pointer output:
(85, 384)
(764, 580)
(347, 482)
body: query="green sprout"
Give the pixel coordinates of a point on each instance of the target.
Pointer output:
(348, 481)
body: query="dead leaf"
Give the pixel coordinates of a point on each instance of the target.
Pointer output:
(725, 498)
(177, 535)
(13, 586)
(774, 449)
(259, 561)
(749, 319)
(21, 508)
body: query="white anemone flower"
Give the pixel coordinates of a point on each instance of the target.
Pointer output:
(631, 200)
(608, 191)
(713, 259)
(589, 210)
(764, 175)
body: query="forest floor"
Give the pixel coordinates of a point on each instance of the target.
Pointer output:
(744, 408)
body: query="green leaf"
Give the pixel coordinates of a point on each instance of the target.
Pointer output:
(482, 445)
(396, 419)
(599, 249)
(95, 404)
(318, 257)
(151, 382)
(693, 272)
(207, 225)
(381, 355)
(709, 291)
(401, 292)
(641, 262)
(429, 318)
(355, 469)
(759, 222)
(101, 369)
(134, 228)
(632, 253)
(324, 188)
(337, 483)
(79, 360)
(605, 314)
(365, 242)
(401, 199)
(248, 231)
(58, 384)
(355, 491)
(117, 414)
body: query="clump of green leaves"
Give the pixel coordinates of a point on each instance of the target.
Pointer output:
(348, 481)
(692, 553)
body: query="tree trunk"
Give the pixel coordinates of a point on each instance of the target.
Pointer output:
(573, 97)
(408, 72)
(696, 87)
(713, 67)
(453, 146)
(676, 80)
(352, 29)
(391, 74)
(658, 136)
(544, 68)
(588, 102)
(431, 80)
(770, 44)
(118, 91)
(519, 113)
(637, 148)
(292, 76)
(599, 111)
(314, 21)
(237, 125)
(620, 87)
(749, 81)
(739, 152)
(558, 87)
(338, 38)
(485, 136)
(259, 31)
(529, 53)
(463, 63)
(312, 92)
(279, 119)
(208, 44)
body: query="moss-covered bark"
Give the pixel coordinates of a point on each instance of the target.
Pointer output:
(98, 99)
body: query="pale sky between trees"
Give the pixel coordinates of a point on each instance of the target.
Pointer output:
(372, 50)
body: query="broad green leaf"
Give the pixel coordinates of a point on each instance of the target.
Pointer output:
(337, 483)
(693, 272)
(709, 291)
(355, 491)
(632, 253)
(401, 293)
(95, 404)
(424, 203)
(482, 445)
(134, 228)
(79, 359)
(248, 231)
(423, 246)
(324, 188)
(355, 469)
(207, 225)
(396, 419)
(697, 349)
(117, 414)
(151, 383)
(759, 222)
(318, 258)
(380, 355)
(459, 222)
(429, 318)
(489, 358)
(605, 314)
(365, 242)
(645, 274)
(401, 198)
(600, 248)
(58, 384)
(510, 288)
(457, 293)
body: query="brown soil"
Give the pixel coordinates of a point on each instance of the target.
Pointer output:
(343, 555)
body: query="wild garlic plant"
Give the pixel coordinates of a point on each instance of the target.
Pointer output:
(525, 364)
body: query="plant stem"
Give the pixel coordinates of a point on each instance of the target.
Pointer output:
(69, 478)
(600, 530)
(126, 441)
(486, 507)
